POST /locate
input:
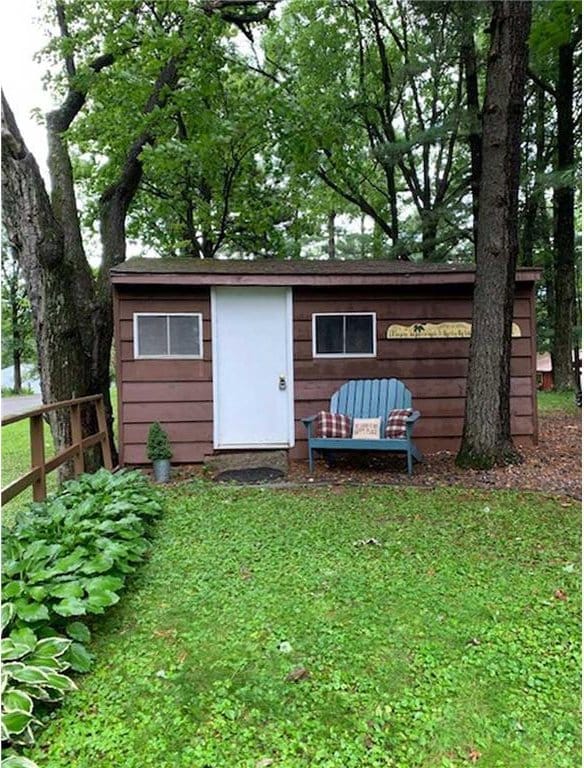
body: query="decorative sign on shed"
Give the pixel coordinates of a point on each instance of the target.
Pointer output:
(448, 330)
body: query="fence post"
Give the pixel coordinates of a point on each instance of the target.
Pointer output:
(102, 426)
(37, 456)
(77, 439)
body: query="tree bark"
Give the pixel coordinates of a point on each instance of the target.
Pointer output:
(39, 243)
(16, 344)
(564, 246)
(535, 205)
(486, 437)
(331, 234)
(469, 63)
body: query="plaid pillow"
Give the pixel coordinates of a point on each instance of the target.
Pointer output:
(396, 422)
(331, 425)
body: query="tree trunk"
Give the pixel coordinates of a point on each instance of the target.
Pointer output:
(486, 437)
(331, 234)
(469, 62)
(16, 343)
(429, 234)
(535, 206)
(16, 361)
(38, 240)
(564, 251)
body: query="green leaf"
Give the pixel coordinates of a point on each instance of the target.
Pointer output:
(14, 699)
(103, 584)
(31, 611)
(79, 658)
(18, 761)
(9, 650)
(13, 589)
(71, 562)
(60, 682)
(98, 564)
(15, 722)
(71, 606)
(97, 602)
(51, 647)
(67, 589)
(38, 593)
(7, 614)
(24, 636)
(78, 631)
(30, 675)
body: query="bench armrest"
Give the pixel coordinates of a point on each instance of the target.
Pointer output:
(413, 417)
(307, 421)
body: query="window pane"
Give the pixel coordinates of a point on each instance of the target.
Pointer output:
(359, 339)
(152, 335)
(184, 335)
(329, 334)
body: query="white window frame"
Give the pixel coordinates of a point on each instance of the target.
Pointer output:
(343, 355)
(199, 317)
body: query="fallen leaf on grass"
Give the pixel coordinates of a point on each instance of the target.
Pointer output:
(559, 594)
(297, 674)
(167, 633)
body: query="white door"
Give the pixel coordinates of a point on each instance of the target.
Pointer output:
(253, 393)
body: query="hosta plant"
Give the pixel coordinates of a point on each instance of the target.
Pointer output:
(32, 678)
(65, 558)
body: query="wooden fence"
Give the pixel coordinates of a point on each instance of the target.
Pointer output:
(40, 467)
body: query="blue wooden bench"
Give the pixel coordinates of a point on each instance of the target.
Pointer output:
(367, 399)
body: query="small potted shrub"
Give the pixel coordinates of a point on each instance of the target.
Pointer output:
(159, 452)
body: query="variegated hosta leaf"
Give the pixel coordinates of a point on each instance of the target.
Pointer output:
(31, 675)
(9, 650)
(59, 682)
(7, 614)
(24, 636)
(51, 646)
(14, 700)
(17, 761)
(26, 738)
(15, 722)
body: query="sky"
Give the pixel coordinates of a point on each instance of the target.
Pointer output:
(20, 39)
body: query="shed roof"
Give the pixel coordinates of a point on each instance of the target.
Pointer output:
(295, 272)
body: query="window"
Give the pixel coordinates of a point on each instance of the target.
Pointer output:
(347, 335)
(168, 335)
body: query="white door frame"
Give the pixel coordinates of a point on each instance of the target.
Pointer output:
(289, 373)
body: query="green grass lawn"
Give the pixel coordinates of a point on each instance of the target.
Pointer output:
(16, 462)
(550, 402)
(455, 633)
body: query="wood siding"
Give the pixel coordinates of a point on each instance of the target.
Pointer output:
(433, 369)
(179, 393)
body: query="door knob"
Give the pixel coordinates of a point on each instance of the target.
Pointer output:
(282, 382)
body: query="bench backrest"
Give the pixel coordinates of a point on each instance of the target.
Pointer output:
(369, 398)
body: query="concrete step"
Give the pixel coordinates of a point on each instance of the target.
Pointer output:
(232, 460)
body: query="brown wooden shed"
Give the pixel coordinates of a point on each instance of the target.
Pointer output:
(232, 354)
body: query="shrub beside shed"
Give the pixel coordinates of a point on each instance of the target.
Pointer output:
(231, 355)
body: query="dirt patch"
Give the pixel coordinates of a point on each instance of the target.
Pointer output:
(553, 466)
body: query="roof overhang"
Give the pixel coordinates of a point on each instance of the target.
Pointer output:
(120, 277)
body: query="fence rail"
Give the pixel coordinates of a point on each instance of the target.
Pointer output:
(40, 467)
